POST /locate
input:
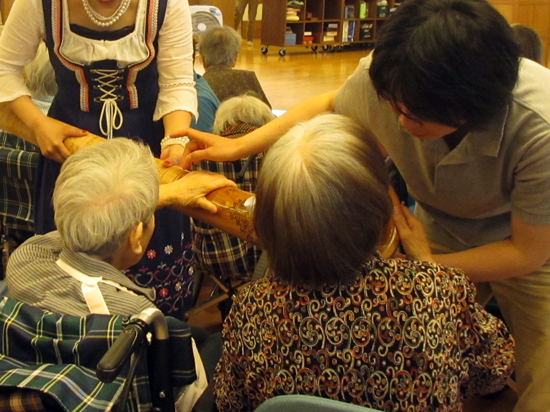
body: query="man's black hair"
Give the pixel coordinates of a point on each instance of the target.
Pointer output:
(446, 61)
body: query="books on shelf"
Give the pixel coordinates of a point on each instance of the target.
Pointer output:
(348, 29)
(363, 9)
(331, 31)
(365, 32)
(349, 12)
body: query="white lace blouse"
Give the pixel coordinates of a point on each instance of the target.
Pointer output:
(25, 28)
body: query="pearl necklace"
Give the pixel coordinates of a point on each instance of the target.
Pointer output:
(103, 21)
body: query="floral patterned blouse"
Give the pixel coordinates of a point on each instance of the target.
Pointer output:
(402, 336)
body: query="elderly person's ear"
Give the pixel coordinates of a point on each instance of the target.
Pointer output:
(135, 239)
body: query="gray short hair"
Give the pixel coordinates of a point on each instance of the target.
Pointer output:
(103, 192)
(220, 46)
(322, 201)
(246, 109)
(40, 75)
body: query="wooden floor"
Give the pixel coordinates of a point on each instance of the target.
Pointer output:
(289, 80)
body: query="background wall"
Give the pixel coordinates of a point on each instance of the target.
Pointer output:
(534, 13)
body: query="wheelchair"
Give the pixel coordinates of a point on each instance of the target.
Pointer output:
(52, 362)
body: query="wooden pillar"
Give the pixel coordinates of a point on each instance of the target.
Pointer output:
(5, 6)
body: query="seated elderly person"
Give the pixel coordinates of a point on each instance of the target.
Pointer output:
(104, 200)
(18, 158)
(333, 319)
(216, 252)
(219, 48)
(530, 43)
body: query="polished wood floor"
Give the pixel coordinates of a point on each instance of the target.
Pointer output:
(287, 80)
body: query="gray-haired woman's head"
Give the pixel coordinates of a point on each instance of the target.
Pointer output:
(102, 193)
(322, 201)
(245, 109)
(219, 46)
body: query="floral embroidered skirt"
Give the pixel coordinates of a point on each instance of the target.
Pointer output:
(166, 265)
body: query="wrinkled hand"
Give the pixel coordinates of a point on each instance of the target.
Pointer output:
(207, 146)
(50, 135)
(172, 155)
(191, 190)
(412, 235)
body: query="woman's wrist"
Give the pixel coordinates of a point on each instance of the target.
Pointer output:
(169, 141)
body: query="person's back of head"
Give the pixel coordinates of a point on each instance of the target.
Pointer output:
(102, 193)
(244, 109)
(219, 46)
(322, 201)
(446, 61)
(40, 75)
(530, 44)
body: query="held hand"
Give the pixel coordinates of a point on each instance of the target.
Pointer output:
(207, 146)
(172, 155)
(192, 189)
(50, 135)
(412, 235)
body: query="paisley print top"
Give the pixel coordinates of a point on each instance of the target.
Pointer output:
(402, 336)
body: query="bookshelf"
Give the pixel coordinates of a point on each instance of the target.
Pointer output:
(329, 24)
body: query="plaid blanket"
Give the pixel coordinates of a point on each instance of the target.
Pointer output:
(57, 355)
(18, 160)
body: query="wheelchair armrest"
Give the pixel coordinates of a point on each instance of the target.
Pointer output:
(128, 341)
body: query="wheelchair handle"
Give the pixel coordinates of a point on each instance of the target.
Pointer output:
(114, 359)
(131, 337)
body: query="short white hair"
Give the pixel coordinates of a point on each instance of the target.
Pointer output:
(103, 192)
(246, 109)
(40, 75)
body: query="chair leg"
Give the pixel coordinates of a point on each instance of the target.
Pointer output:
(227, 293)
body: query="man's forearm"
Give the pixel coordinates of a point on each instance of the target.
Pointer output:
(262, 138)
(494, 261)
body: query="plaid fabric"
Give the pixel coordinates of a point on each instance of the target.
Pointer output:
(57, 355)
(216, 252)
(21, 400)
(18, 160)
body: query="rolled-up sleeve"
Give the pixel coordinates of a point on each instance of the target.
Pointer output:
(22, 33)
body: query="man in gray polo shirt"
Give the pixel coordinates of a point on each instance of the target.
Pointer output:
(467, 122)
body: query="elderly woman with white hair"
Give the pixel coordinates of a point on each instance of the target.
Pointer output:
(104, 202)
(334, 319)
(219, 48)
(216, 252)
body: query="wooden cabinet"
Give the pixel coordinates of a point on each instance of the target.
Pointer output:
(326, 23)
